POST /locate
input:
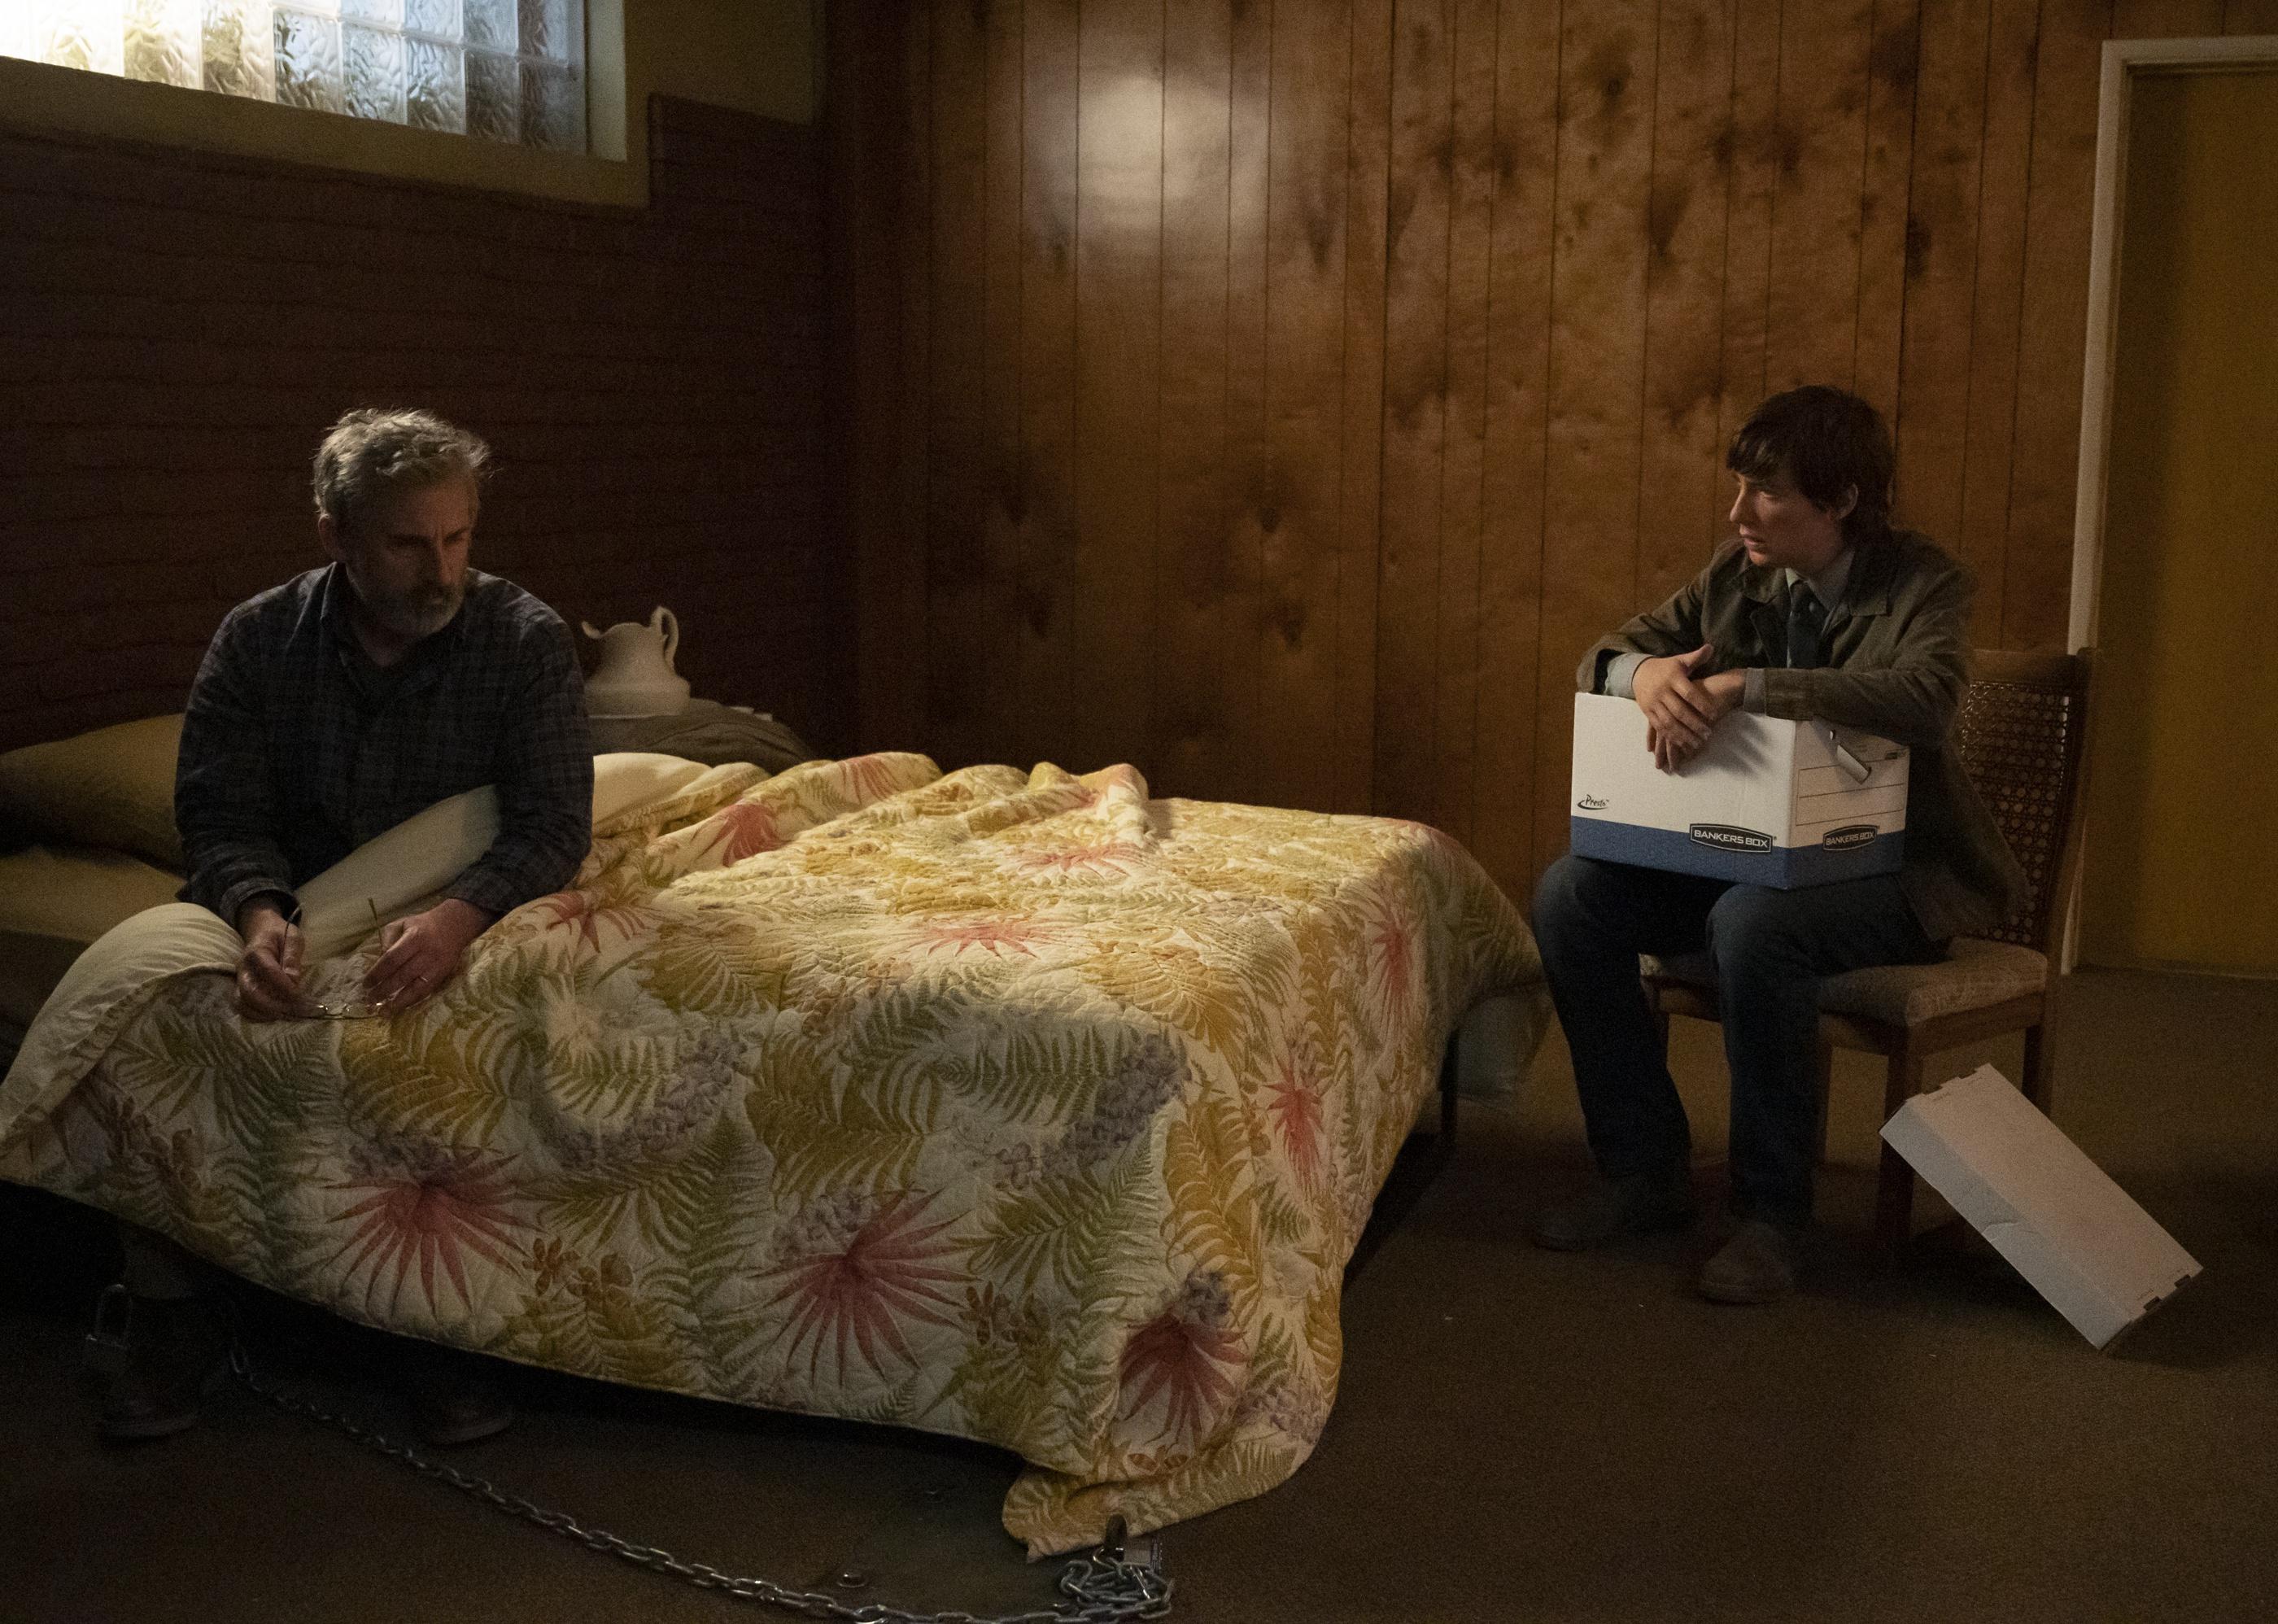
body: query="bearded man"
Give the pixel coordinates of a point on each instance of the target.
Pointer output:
(328, 710)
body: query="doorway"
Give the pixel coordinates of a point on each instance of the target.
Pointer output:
(2181, 865)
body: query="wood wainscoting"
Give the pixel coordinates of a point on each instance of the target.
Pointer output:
(1281, 396)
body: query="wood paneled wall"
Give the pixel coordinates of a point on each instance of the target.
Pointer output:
(1280, 394)
(178, 329)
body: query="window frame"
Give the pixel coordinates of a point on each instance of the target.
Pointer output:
(39, 96)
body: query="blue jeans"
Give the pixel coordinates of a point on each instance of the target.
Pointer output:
(1592, 919)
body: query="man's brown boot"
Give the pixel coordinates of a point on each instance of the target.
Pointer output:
(177, 1352)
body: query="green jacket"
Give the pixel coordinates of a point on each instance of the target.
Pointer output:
(1898, 658)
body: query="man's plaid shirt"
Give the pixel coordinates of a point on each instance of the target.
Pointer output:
(297, 748)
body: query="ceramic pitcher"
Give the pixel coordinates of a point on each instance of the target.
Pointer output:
(635, 677)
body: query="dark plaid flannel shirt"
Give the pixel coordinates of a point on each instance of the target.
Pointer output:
(297, 748)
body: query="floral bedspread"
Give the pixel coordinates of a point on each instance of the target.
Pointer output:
(1019, 1107)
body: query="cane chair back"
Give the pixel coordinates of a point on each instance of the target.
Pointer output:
(2021, 732)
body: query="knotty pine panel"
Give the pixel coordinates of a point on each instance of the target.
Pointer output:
(1249, 301)
(959, 499)
(1354, 365)
(1609, 55)
(2045, 454)
(1368, 153)
(1415, 410)
(1118, 230)
(1303, 520)
(1681, 495)
(1470, 250)
(1002, 204)
(1044, 717)
(1188, 731)
(1518, 437)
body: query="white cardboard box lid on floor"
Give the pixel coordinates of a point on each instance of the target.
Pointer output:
(2078, 1239)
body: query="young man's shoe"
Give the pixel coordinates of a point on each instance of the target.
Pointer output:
(1635, 1204)
(177, 1352)
(1757, 1266)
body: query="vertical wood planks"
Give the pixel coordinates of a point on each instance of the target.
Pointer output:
(998, 644)
(1997, 306)
(1367, 176)
(1822, 145)
(1414, 405)
(2036, 600)
(1518, 428)
(1680, 493)
(956, 559)
(868, 152)
(1755, 148)
(1462, 463)
(909, 687)
(1892, 65)
(1189, 741)
(1283, 396)
(1607, 61)
(2165, 19)
(1048, 722)
(1300, 518)
(1118, 315)
(1247, 470)
(1941, 267)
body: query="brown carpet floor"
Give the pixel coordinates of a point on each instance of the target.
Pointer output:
(1520, 1436)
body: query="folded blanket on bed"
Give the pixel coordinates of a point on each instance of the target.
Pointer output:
(1013, 1106)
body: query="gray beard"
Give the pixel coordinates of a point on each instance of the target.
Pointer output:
(415, 616)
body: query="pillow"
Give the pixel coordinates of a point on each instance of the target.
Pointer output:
(113, 787)
(387, 873)
(624, 779)
(427, 851)
(54, 900)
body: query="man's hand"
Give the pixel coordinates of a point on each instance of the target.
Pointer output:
(1680, 709)
(418, 954)
(269, 969)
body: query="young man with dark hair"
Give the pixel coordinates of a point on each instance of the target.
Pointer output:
(329, 709)
(1818, 607)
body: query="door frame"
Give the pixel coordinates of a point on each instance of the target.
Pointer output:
(2123, 60)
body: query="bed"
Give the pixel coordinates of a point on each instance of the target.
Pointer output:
(1019, 1106)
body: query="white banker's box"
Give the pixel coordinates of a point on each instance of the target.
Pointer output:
(1767, 802)
(2101, 1260)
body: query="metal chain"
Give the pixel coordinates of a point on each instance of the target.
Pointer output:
(1105, 1586)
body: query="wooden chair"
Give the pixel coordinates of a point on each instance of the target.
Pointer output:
(2018, 734)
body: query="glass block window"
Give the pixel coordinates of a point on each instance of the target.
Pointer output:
(503, 70)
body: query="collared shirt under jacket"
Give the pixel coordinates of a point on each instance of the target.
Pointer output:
(1896, 652)
(297, 749)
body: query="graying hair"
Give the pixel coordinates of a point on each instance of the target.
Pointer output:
(371, 452)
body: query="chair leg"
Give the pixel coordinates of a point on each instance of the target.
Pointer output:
(1826, 1088)
(2038, 1065)
(1894, 1183)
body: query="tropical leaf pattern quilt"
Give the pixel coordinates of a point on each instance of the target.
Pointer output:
(1015, 1106)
